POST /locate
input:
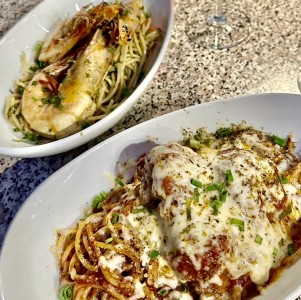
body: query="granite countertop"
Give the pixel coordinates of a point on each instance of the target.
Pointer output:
(268, 61)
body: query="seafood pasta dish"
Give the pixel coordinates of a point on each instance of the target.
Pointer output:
(84, 69)
(215, 216)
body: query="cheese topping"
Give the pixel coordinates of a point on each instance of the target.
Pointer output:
(220, 228)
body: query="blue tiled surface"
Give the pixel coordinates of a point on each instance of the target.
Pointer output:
(20, 180)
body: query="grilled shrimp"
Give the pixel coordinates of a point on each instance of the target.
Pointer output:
(55, 109)
(67, 34)
(61, 97)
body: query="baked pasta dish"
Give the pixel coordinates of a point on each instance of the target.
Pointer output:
(215, 216)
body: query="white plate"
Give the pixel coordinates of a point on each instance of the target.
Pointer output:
(33, 28)
(27, 267)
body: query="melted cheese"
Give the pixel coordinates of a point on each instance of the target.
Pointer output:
(139, 292)
(250, 198)
(113, 262)
(254, 198)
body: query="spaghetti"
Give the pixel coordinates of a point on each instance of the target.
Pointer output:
(121, 78)
(215, 216)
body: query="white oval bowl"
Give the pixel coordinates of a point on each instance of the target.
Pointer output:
(33, 28)
(27, 267)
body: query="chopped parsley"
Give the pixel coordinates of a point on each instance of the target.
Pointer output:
(56, 101)
(19, 90)
(30, 136)
(40, 64)
(125, 92)
(125, 12)
(147, 15)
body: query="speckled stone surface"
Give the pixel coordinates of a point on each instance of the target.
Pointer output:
(268, 61)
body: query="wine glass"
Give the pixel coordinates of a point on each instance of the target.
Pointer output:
(214, 25)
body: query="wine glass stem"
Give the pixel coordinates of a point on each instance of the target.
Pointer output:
(219, 18)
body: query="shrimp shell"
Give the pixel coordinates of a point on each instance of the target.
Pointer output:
(68, 33)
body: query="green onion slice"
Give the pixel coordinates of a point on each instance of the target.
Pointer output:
(216, 204)
(153, 254)
(239, 223)
(223, 196)
(188, 208)
(258, 239)
(139, 210)
(196, 183)
(163, 292)
(214, 187)
(194, 144)
(109, 240)
(278, 141)
(290, 249)
(275, 252)
(283, 180)
(229, 176)
(115, 218)
(119, 181)
(285, 213)
(184, 288)
(196, 195)
(97, 201)
(223, 193)
(65, 293)
(223, 132)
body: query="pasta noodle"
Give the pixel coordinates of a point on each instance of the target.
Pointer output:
(215, 215)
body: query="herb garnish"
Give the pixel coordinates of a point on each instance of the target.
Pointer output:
(279, 141)
(239, 223)
(223, 132)
(115, 218)
(56, 101)
(153, 254)
(98, 200)
(65, 293)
